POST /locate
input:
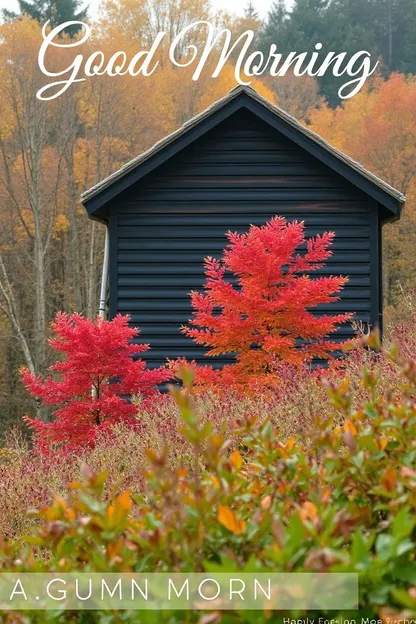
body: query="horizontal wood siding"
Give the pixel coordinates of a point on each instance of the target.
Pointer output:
(239, 174)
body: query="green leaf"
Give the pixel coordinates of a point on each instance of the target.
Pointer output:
(402, 596)
(226, 565)
(403, 523)
(152, 522)
(379, 595)
(405, 546)
(384, 546)
(405, 573)
(370, 411)
(389, 423)
(367, 443)
(359, 548)
(296, 532)
(93, 504)
(358, 459)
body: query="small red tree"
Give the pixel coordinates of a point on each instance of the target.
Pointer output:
(264, 317)
(98, 371)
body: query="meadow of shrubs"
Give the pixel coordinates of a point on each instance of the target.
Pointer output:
(314, 471)
(220, 485)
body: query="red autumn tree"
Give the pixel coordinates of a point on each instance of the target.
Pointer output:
(96, 374)
(264, 316)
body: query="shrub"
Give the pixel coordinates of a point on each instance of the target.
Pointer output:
(30, 479)
(345, 501)
(401, 324)
(264, 318)
(98, 371)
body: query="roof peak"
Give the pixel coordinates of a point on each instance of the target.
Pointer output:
(291, 127)
(243, 87)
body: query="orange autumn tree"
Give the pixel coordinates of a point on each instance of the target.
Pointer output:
(377, 127)
(263, 316)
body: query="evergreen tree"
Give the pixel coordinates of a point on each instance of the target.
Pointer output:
(385, 28)
(56, 11)
(395, 25)
(404, 48)
(352, 27)
(250, 11)
(274, 25)
(307, 24)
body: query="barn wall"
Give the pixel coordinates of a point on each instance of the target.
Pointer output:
(240, 173)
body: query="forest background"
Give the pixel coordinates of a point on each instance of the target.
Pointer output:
(51, 254)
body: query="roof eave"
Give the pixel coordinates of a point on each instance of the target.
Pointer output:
(95, 199)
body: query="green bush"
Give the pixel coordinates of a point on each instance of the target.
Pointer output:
(344, 502)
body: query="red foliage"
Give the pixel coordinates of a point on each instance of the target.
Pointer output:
(97, 371)
(263, 315)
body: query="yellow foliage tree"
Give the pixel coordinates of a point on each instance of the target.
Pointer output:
(378, 128)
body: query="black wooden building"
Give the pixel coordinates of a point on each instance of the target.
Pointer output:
(240, 162)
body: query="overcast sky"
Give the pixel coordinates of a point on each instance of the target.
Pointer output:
(234, 6)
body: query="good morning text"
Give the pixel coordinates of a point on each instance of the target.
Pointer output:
(215, 43)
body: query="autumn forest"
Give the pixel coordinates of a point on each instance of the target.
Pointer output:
(50, 152)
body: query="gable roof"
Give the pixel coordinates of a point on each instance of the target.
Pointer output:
(95, 199)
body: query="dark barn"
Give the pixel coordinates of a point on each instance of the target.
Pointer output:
(240, 162)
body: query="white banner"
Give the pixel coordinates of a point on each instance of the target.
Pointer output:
(179, 591)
